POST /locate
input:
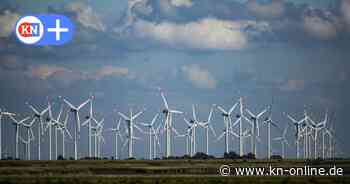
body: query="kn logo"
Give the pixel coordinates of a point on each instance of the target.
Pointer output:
(50, 29)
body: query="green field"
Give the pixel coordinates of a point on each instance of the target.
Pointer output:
(160, 171)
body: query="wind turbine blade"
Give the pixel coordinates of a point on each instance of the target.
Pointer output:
(285, 132)
(234, 134)
(68, 133)
(174, 130)
(278, 138)
(83, 104)
(154, 119)
(34, 110)
(220, 137)
(139, 129)
(194, 113)
(236, 122)
(69, 104)
(60, 113)
(176, 112)
(291, 118)
(86, 122)
(210, 115)
(232, 108)
(250, 113)
(221, 109)
(137, 115)
(118, 125)
(261, 113)
(212, 130)
(23, 120)
(164, 100)
(124, 116)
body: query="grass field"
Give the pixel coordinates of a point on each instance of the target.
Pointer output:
(160, 171)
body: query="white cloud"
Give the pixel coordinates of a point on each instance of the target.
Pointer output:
(321, 28)
(110, 71)
(274, 9)
(345, 10)
(199, 77)
(86, 16)
(7, 23)
(206, 34)
(184, 3)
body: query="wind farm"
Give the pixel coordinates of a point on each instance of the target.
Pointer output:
(304, 134)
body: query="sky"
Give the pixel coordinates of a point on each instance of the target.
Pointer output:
(203, 52)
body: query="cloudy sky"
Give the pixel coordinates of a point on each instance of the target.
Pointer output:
(199, 52)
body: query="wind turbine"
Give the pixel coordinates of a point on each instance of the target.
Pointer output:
(254, 120)
(168, 124)
(283, 140)
(39, 115)
(17, 124)
(297, 125)
(117, 134)
(88, 122)
(51, 121)
(227, 123)
(269, 122)
(151, 132)
(130, 129)
(3, 113)
(99, 136)
(75, 110)
(30, 137)
(191, 131)
(64, 130)
(318, 127)
(206, 125)
(188, 138)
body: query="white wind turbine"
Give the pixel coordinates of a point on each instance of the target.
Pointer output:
(283, 140)
(50, 122)
(3, 113)
(168, 124)
(58, 126)
(297, 125)
(130, 129)
(117, 133)
(17, 124)
(151, 133)
(254, 120)
(191, 131)
(227, 123)
(268, 120)
(98, 135)
(30, 137)
(64, 130)
(188, 138)
(88, 122)
(39, 115)
(75, 110)
(206, 125)
(318, 127)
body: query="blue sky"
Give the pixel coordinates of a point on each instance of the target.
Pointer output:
(199, 52)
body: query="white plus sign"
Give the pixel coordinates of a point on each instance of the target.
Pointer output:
(58, 30)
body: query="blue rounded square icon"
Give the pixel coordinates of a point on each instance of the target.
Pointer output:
(44, 29)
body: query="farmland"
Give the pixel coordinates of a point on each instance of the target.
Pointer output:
(159, 171)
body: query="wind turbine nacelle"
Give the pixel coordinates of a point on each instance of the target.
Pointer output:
(48, 119)
(253, 118)
(224, 114)
(37, 115)
(238, 116)
(165, 111)
(87, 117)
(73, 110)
